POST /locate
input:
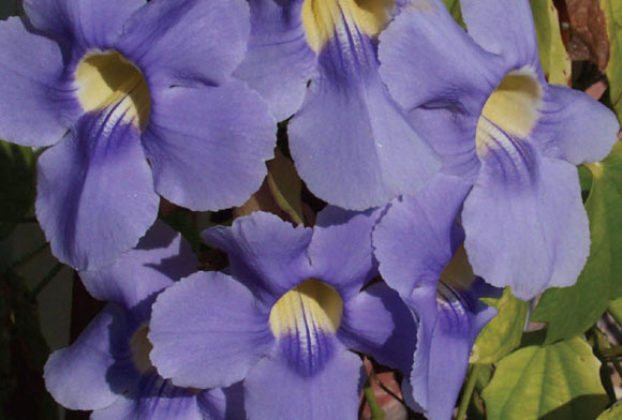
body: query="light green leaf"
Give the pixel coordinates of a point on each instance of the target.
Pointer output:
(555, 381)
(17, 184)
(285, 186)
(612, 10)
(503, 334)
(553, 56)
(614, 413)
(570, 311)
(454, 9)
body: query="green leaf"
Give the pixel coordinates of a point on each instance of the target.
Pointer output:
(553, 56)
(503, 334)
(556, 381)
(285, 186)
(454, 9)
(599, 282)
(614, 413)
(17, 184)
(612, 10)
(615, 309)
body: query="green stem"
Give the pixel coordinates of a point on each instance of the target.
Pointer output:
(376, 411)
(468, 391)
(28, 257)
(46, 280)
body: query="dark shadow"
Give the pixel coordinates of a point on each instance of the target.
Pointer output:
(585, 407)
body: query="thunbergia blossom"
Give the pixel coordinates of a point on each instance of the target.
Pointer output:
(138, 100)
(107, 369)
(283, 317)
(352, 144)
(483, 98)
(418, 245)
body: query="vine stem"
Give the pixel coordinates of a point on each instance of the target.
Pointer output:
(468, 391)
(376, 411)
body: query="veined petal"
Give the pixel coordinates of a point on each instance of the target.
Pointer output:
(505, 29)
(275, 391)
(161, 257)
(525, 222)
(153, 398)
(181, 42)
(204, 152)
(207, 331)
(377, 322)
(279, 61)
(38, 105)
(449, 320)
(266, 253)
(365, 152)
(95, 195)
(81, 25)
(575, 127)
(443, 105)
(304, 321)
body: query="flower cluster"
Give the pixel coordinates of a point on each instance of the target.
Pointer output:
(446, 159)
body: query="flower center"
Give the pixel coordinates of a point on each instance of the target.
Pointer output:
(107, 79)
(310, 306)
(141, 346)
(321, 18)
(511, 111)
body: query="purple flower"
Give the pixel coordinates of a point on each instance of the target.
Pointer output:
(107, 369)
(139, 100)
(483, 98)
(419, 249)
(284, 316)
(350, 141)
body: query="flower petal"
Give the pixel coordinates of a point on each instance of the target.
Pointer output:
(449, 321)
(378, 323)
(364, 153)
(418, 236)
(154, 399)
(444, 105)
(575, 127)
(86, 375)
(161, 257)
(341, 252)
(95, 192)
(525, 222)
(81, 25)
(275, 391)
(503, 28)
(181, 42)
(208, 331)
(425, 32)
(204, 152)
(279, 62)
(266, 253)
(38, 105)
